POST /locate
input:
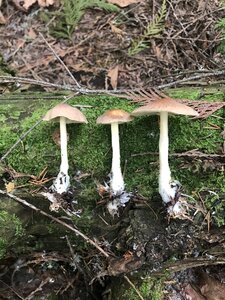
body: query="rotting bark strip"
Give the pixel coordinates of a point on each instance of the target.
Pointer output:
(76, 231)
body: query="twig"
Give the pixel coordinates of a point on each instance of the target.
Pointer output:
(38, 289)
(134, 287)
(76, 231)
(14, 291)
(216, 73)
(59, 59)
(11, 79)
(26, 133)
(190, 153)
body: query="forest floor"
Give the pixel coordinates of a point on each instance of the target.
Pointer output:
(142, 45)
(134, 45)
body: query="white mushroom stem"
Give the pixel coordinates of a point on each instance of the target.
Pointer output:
(63, 142)
(62, 181)
(165, 190)
(117, 182)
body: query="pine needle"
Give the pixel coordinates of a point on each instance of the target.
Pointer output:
(153, 29)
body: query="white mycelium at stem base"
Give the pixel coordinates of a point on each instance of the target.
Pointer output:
(117, 182)
(62, 182)
(165, 190)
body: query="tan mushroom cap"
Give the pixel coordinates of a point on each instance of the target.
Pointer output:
(164, 105)
(114, 116)
(72, 114)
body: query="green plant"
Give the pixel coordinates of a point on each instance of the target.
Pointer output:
(73, 12)
(153, 29)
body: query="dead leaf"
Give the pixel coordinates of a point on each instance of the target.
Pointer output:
(28, 3)
(31, 34)
(2, 19)
(10, 187)
(157, 51)
(44, 3)
(192, 294)
(123, 3)
(116, 30)
(113, 75)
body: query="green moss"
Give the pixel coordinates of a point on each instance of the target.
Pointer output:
(11, 230)
(150, 288)
(89, 147)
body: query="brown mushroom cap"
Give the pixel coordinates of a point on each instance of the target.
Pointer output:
(72, 114)
(164, 105)
(114, 116)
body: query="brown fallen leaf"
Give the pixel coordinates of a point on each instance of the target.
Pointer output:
(44, 3)
(26, 4)
(123, 3)
(2, 19)
(113, 76)
(211, 288)
(116, 30)
(31, 34)
(10, 187)
(192, 294)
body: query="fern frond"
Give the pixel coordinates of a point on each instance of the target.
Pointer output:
(157, 25)
(154, 28)
(73, 10)
(136, 47)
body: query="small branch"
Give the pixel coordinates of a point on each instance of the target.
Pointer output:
(38, 289)
(11, 79)
(191, 153)
(14, 291)
(215, 73)
(85, 91)
(134, 287)
(76, 231)
(59, 59)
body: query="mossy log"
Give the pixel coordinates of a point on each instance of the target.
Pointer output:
(90, 145)
(89, 150)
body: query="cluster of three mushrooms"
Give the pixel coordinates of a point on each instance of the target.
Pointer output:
(163, 106)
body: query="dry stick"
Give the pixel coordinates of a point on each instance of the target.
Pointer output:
(216, 73)
(26, 133)
(61, 62)
(134, 287)
(14, 291)
(76, 231)
(38, 289)
(10, 79)
(188, 154)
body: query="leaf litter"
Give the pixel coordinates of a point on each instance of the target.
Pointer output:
(187, 41)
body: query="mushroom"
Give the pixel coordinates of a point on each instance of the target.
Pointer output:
(167, 188)
(115, 117)
(64, 113)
